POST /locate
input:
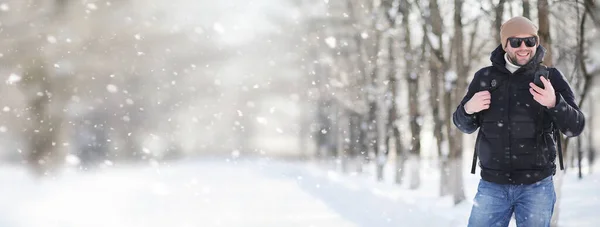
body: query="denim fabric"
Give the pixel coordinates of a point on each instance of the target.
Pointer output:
(532, 204)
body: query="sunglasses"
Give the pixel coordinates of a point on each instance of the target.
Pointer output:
(516, 42)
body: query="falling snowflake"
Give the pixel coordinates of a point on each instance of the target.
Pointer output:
(112, 88)
(92, 6)
(235, 154)
(51, 39)
(4, 7)
(262, 120)
(331, 42)
(72, 160)
(218, 28)
(13, 78)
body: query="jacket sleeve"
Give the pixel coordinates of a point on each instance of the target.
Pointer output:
(467, 123)
(565, 114)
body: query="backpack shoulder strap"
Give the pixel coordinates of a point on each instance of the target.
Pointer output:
(543, 71)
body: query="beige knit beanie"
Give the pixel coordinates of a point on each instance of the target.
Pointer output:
(516, 26)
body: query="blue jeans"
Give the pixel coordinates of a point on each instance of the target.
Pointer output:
(532, 204)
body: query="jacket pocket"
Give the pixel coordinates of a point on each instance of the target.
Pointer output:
(492, 129)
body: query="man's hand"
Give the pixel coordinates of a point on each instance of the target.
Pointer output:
(480, 101)
(545, 96)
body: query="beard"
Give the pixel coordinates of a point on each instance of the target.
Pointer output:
(513, 59)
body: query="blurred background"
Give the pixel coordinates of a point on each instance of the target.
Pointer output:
(136, 113)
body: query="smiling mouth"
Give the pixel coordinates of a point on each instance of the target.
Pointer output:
(526, 54)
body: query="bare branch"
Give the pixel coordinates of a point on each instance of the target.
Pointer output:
(471, 46)
(590, 8)
(586, 75)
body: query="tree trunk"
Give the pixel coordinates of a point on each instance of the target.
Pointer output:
(389, 137)
(435, 102)
(544, 33)
(355, 142)
(591, 130)
(439, 67)
(343, 144)
(304, 131)
(558, 179)
(526, 9)
(393, 114)
(413, 98)
(572, 157)
(373, 136)
(499, 13)
(592, 9)
(323, 131)
(438, 125)
(45, 112)
(362, 138)
(446, 173)
(579, 156)
(400, 165)
(544, 30)
(372, 124)
(455, 137)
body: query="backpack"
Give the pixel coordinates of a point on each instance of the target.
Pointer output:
(541, 71)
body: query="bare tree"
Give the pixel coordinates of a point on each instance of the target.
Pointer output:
(499, 13)
(593, 11)
(439, 67)
(393, 123)
(41, 84)
(455, 137)
(583, 82)
(526, 9)
(591, 156)
(411, 75)
(393, 128)
(544, 30)
(375, 144)
(45, 110)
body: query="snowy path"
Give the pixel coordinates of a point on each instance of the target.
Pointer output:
(201, 193)
(246, 193)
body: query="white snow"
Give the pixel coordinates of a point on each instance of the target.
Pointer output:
(13, 78)
(218, 28)
(4, 7)
(331, 42)
(92, 6)
(247, 192)
(262, 120)
(72, 160)
(51, 39)
(112, 88)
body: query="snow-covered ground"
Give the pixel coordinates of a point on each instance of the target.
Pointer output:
(251, 192)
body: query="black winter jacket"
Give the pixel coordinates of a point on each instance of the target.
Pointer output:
(515, 142)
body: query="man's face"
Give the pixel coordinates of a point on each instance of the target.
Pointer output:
(522, 54)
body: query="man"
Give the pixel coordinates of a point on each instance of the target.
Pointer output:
(517, 121)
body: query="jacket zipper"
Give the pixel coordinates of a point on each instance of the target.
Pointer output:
(507, 128)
